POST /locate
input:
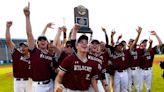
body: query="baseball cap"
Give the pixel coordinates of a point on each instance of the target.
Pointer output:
(119, 43)
(68, 42)
(131, 40)
(123, 42)
(82, 37)
(95, 41)
(142, 41)
(42, 38)
(23, 43)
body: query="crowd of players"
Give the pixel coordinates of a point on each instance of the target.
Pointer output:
(80, 65)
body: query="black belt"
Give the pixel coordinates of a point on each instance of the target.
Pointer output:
(146, 68)
(121, 70)
(133, 68)
(44, 82)
(19, 79)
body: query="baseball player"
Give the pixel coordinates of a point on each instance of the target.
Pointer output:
(40, 59)
(120, 60)
(21, 62)
(76, 72)
(133, 71)
(146, 62)
(96, 55)
(99, 57)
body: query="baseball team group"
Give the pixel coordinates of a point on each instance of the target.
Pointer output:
(83, 64)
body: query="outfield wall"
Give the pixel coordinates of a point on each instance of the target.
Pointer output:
(5, 56)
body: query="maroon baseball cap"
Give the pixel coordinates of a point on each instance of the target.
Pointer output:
(82, 37)
(119, 43)
(142, 41)
(131, 40)
(95, 41)
(23, 43)
(42, 38)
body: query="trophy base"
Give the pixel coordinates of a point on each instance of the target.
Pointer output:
(85, 30)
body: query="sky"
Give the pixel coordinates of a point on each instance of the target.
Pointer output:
(122, 15)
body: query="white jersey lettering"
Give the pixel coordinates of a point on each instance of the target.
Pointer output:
(45, 57)
(24, 59)
(81, 67)
(95, 59)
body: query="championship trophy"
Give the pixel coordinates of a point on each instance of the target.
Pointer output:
(81, 17)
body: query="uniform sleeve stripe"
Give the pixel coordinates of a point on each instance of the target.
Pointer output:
(62, 69)
(95, 77)
(103, 71)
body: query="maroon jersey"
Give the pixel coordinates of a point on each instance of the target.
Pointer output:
(40, 65)
(77, 73)
(61, 58)
(106, 59)
(120, 61)
(134, 57)
(21, 65)
(99, 60)
(147, 58)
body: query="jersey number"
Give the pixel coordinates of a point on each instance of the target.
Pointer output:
(87, 77)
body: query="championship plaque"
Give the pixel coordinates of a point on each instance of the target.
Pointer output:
(81, 17)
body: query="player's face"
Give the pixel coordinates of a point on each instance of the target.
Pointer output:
(119, 48)
(68, 48)
(24, 49)
(130, 43)
(43, 44)
(94, 47)
(51, 48)
(124, 47)
(102, 46)
(143, 45)
(82, 46)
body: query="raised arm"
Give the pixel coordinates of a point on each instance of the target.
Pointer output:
(91, 35)
(64, 29)
(139, 30)
(106, 36)
(74, 31)
(49, 25)
(112, 36)
(150, 44)
(9, 42)
(118, 39)
(69, 37)
(158, 38)
(57, 41)
(30, 37)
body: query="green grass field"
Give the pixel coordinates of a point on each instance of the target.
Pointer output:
(6, 79)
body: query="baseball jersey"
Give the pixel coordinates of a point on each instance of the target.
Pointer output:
(147, 58)
(134, 57)
(77, 73)
(106, 59)
(40, 65)
(120, 61)
(21, 65)
(61, 57)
